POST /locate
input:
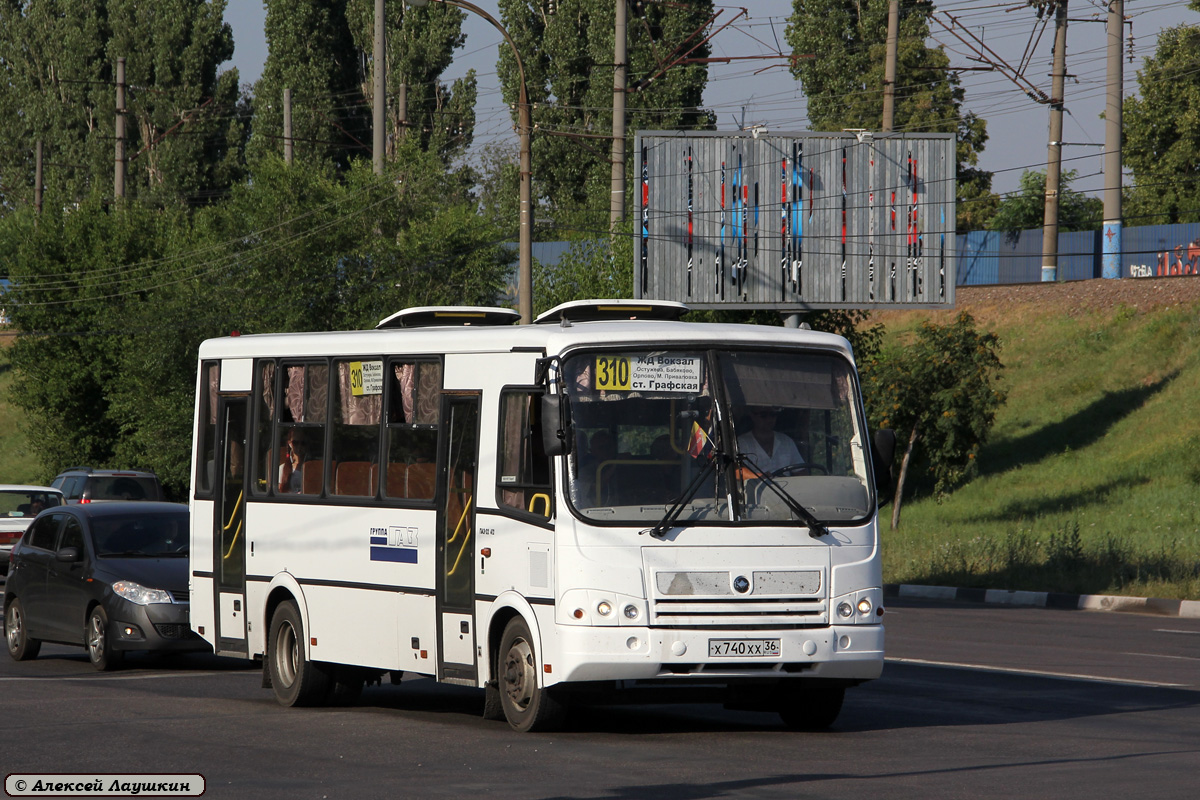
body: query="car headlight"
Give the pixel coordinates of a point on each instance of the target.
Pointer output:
(136, 593)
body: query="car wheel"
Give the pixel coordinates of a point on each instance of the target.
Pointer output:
(99, 645)
(527, 706)
(296, 680)
(20, 646)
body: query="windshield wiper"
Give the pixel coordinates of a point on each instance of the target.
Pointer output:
(816, 528)
(668, 520)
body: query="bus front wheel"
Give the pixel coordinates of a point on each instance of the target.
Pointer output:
(811, 708)
(527, 707)
(296, 680)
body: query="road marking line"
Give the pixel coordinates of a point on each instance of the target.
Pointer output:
(1174, 630)
(152, 676)
(1160, 655)
(1039, 673)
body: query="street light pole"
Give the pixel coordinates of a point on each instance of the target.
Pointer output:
(524, 127)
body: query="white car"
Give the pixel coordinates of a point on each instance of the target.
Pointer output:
(18, 506)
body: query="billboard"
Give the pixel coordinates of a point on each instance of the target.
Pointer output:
(795, 221)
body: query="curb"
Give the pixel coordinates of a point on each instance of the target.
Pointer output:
(1059, 600)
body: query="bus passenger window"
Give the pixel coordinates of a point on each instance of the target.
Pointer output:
(301, 431)
(524, 482)
(210, 377)
(413, 403)
(357, 411)
(264, 468)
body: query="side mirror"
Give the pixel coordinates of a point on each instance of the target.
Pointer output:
(555, 418)
(883, 452)
(68, 555)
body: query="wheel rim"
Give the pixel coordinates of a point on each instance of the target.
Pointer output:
(520, 677)
(96, 635)
(12, 627)
(287, 653)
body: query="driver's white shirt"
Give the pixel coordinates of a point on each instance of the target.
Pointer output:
(784, 453)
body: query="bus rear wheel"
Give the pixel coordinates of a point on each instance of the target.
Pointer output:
(527, 707)
(811, 708)
(296, 680)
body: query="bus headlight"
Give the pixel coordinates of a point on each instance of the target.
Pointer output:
(631, 611)
(845, 610)
(604, 608)
(864, 607)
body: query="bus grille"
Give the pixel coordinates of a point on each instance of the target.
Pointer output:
(780, 598)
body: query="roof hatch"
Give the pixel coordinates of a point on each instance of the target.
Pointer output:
(594, 310)
(445, 316)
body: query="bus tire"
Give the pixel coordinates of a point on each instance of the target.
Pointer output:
(527, 707)
(811, 708)
(21, 646)
(295, 680)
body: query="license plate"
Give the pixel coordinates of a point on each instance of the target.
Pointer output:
(743, 648)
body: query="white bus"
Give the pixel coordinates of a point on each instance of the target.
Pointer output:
(606, 501)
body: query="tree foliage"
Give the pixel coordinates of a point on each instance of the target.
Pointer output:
(1027, 209)
(940, 395)
(58, 68)
(112, 302)
(1162, 131)
(567, 53)
(840, 48)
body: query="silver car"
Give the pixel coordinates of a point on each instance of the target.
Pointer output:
(18, 506)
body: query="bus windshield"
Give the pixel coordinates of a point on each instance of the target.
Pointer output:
(647, 423)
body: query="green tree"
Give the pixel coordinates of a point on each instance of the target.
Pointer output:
(311, 51)
(112, 302)
(1162, 131)
(58, 70)
(567, 51)
(840, 48)
(940, 395)
(1027, 209)
(420, 46)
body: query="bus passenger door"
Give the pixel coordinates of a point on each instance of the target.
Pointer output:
(456, 541)
(229, 529)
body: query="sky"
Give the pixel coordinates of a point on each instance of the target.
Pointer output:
(763, 92)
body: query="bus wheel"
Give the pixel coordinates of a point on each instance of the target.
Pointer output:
(296, 680)
(811, 709)
(526, 706)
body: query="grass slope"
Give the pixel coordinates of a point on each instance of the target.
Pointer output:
(18, 464)
(1091, 479)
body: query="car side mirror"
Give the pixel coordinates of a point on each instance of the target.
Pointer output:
(68, 555)
(555, 417)
(883, 452)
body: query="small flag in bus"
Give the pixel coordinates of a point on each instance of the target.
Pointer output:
(699, 445)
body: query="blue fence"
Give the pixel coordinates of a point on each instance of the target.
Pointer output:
(991, 257)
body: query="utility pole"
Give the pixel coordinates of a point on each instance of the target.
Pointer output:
(378, 101)
(287, 127)
(1054, 152)
(37, 178)
(889, 66)
(119, 168)
(620, 72)
(1111, 266)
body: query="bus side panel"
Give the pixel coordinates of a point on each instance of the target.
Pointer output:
(367, 575)
(201, 609)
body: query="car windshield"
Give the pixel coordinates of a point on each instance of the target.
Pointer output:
(25, 502)
(647, 422)
(141, 535)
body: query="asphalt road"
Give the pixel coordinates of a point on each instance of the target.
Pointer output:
(975, 702)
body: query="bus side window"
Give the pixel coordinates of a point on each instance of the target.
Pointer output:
(413, 403)
(205, 465)
(301, 430)
(524, 481)
(357, 411)
(265, 468)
